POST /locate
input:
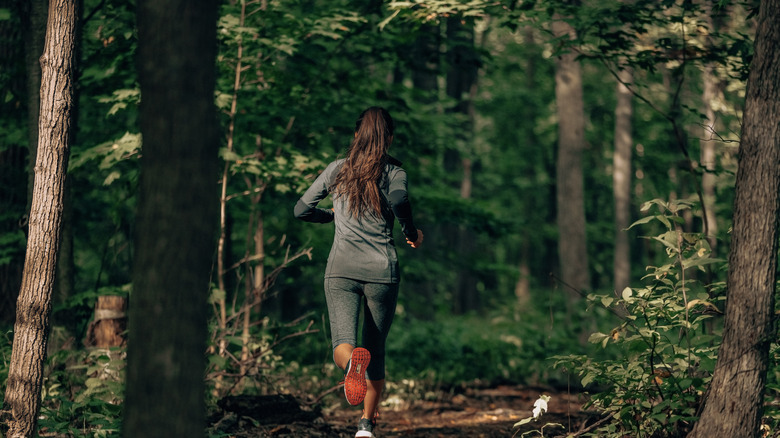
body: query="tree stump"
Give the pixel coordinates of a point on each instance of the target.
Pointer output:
(109, 325)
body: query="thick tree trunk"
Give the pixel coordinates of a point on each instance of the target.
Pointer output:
(33, 308)
(571, 142)
(621, 182)
(176, 219)
(734, 404)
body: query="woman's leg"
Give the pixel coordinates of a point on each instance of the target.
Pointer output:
(373, 396)
(380, 306)
(343, 297)
(341, 355)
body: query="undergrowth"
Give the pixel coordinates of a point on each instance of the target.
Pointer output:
(655, 350)
(668, 339)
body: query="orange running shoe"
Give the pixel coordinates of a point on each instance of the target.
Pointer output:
(355, 380)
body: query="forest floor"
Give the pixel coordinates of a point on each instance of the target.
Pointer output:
(472, 412)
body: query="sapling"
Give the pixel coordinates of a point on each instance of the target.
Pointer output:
(540, 407)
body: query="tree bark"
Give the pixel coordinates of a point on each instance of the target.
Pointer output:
(572, 251)
(109, 323)
(735, 399)
(33, 308)
(621, 181)
(176, 219)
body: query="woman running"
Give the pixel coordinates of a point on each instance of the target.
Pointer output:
(369, 191)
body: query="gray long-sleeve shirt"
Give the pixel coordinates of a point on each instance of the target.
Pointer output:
(362, 249)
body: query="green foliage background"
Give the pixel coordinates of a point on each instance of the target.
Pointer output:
(308, 67)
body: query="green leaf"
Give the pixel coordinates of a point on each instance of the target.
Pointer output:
(703, 261)
(597, 337)
(642, 221)
(387, 20)
(587, 379)
(669, 239)
(228, 155)
(217, 295)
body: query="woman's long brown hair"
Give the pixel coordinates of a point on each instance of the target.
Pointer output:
(359, 176)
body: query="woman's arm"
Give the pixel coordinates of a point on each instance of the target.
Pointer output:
(306, 208)
(398, 197)
(312, 214)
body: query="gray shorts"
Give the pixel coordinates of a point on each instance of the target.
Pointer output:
(344, 296)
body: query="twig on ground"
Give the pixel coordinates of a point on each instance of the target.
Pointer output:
(591, 427)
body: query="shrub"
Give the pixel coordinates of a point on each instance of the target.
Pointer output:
(503, 347)
(668, 339)
(5, 361)
(83, 392)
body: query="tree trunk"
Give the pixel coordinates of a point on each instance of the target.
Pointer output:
(734, 404)
(255, 267)
(461, 86)
(621, 182)
(425, 64)
(708, 143)
(523, 283)
(571, 142)
(528, 136)
(425, 59)
(109, 324)
(176, 219)
(466, 288)
(65, 280)
(223, 243)
(33, 308)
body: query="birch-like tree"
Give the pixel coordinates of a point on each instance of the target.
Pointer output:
(33, 307)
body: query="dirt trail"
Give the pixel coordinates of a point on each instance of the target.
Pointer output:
(474, 413)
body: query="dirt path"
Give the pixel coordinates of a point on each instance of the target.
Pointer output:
(475, 413)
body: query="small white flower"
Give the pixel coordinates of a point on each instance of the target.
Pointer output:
(540, 405)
